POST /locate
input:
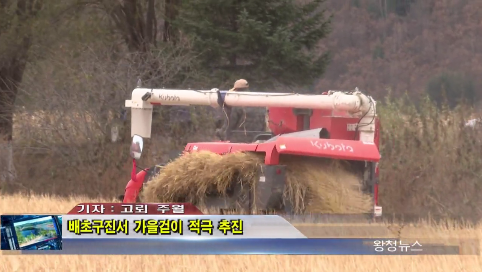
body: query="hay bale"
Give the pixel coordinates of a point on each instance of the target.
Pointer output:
(314, 185)
(192, 176)
(319, 185)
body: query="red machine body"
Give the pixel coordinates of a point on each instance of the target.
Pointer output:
(343, 144)
(283, 121)
(336, 125)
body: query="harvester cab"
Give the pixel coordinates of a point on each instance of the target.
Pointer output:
(335, 125)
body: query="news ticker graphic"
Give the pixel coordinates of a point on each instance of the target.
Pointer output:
(217, 234)
(180, 228)
(31, 232)
(261, 234)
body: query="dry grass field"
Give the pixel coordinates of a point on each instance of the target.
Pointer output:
(45, 204)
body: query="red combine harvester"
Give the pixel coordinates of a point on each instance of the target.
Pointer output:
(337, 125)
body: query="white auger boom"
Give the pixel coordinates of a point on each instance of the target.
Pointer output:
(354, 103)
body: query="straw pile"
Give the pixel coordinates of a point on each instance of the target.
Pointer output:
(314, 185)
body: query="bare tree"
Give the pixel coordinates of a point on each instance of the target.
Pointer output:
(142, 24)
(89, 89)
(16, 35)
(145, 27)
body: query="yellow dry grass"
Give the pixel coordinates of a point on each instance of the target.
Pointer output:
(314, 185)
(45, 204)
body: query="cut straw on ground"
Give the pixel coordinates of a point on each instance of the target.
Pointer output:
(314, 185)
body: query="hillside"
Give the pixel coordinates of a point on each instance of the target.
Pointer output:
(377, 52)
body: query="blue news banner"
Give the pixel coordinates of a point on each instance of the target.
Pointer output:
(215, 234)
